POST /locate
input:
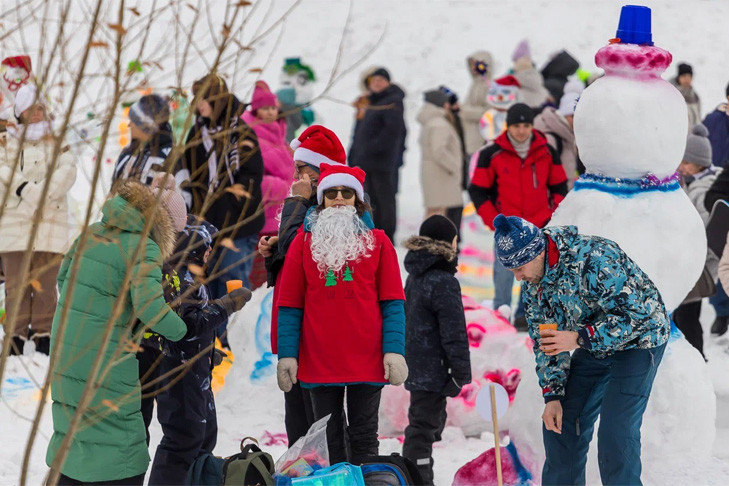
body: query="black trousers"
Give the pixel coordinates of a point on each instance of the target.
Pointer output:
(426, 419)
(149, 360)
(686, 318)
(456, 215)
(363, 405)
(299, 414)
(380, 186)
(133, 481)
(186, 412)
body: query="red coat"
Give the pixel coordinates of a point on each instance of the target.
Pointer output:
(341, 331)
(503, 183)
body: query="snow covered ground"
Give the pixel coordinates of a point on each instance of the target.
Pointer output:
(424, 45)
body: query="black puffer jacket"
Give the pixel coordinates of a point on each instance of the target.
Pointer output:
(379, 137)
(436, 343)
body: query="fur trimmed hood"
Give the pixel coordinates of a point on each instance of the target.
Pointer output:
(426, 253)
(143, 200)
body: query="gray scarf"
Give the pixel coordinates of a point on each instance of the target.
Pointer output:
(522, 149)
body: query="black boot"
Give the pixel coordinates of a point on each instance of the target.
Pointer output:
(720, 325)
(16, 346)
(520, 323)
(42, 345)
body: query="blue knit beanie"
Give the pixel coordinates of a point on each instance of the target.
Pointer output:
(517, 241)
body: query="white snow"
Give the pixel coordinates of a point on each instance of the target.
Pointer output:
(425, 45)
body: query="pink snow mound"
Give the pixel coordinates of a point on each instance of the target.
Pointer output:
(633, 60)
(482, 470)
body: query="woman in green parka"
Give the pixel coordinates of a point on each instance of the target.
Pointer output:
(109, 444)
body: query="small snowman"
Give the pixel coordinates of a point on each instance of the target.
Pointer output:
(502, 94)
(630, 126)
(15, 71)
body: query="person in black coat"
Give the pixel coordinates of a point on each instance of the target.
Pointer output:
(436, 343)
(378, 145)
(226, 170)
(719, 190)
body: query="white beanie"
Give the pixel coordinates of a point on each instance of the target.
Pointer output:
(26, 97)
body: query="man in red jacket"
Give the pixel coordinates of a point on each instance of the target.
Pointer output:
(517, 175)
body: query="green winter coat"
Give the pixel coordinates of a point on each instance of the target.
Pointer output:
(110, 442)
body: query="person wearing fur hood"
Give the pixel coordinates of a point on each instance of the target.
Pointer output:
(107, 281)
(26, 156)
(436, 343)
(480, 66)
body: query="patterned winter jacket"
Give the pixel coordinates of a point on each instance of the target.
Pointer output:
(593, 288)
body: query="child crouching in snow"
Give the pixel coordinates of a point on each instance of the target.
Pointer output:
(436, 342)
(341, 319)
(185, 404)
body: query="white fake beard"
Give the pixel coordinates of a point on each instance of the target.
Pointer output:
(338, 236)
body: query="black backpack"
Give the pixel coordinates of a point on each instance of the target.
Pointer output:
(392, 470)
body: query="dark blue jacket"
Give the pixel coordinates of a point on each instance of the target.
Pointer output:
(379, 137)
(717, 122)
(436, 343)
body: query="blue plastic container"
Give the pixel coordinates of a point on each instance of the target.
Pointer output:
(635, 25)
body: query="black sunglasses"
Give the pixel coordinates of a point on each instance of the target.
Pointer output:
(332, 193)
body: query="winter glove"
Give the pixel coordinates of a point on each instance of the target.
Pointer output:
(218, 356)
(235, 300)
(452, 388)
(286, 373)
(396, 369)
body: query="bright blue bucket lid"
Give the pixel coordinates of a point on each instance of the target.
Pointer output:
(635, 25)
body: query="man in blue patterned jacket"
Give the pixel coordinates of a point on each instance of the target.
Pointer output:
(608, 311)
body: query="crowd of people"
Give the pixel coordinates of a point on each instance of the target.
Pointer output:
(257, 197)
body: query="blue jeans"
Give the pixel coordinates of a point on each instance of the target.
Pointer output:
(227, 264)
(616, 388)
(720, 301)
(503, 286)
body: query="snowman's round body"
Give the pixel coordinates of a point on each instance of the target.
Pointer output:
(630, 128)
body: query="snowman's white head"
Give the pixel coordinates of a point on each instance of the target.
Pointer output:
(503, 92)
(631, 122)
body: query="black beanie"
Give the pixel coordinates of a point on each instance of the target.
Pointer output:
(436, 97)
(439, 228)
(519, 113)
(378, 72)
(684, 68)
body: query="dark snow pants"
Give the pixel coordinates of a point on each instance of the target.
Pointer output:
(380, 187)
(363, 405)
(298, 415)
(616, 388)
(426, 420)
(133, 481)
(186, 412)
(686, 317)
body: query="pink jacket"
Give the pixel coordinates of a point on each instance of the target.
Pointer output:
(278, 166)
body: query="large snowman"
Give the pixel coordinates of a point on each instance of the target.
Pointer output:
(630, 127)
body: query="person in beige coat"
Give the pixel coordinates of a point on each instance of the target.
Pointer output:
(480, 66)
(533, 92)
(441, 169)
(23, 172)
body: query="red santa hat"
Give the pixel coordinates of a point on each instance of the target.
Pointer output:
(508, 80)
(317, 145)
(17, 61)
(262, 96)
(335, 175)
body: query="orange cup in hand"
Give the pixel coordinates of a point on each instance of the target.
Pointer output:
(236, 284)
(544, 327)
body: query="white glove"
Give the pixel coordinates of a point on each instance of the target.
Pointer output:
(286, 373)
(396, 369)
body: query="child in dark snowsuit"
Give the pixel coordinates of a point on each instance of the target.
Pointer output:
(436, 343)
(185, 405)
